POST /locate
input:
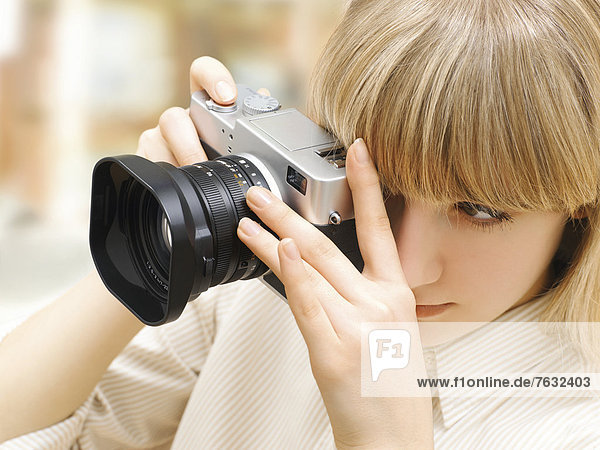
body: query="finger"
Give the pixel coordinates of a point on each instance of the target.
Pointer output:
(265, 246)
(375, 237)
(262, 243)
(316, 248)
(311, 317)
(211, 75)
(264, 91)
(153, 146)
(179, 132)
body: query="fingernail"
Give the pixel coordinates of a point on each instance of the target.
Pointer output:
(360, 151)
(225, 91)
(290, 249)
(249, 226)
(260, 197)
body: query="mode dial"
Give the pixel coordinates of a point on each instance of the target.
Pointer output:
(259, 104)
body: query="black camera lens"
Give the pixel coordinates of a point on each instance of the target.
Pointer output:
(161, 235)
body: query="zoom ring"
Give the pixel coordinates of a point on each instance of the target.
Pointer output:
(218, 211)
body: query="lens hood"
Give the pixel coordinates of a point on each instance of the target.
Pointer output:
(155, 284)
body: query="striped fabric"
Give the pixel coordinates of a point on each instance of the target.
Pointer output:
(501, 347)
(233, 372)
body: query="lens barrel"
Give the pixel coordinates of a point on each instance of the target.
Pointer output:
(161, 235)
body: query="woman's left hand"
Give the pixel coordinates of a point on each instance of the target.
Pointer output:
(330, 299)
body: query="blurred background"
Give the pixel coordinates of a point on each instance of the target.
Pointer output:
(81, 79)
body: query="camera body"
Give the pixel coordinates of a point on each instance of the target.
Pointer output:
(161, 235)
(304, 164)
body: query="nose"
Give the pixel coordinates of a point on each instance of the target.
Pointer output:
(417, 232)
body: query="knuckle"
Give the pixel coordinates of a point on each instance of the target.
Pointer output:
(146, 137)
(371, 179)
(382, 310)
(314, 278)
(323, 249)
(380, 224)
(169, 115)
(286, 216)
(310, 309)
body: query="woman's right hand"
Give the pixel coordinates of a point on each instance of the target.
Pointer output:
(175, 139)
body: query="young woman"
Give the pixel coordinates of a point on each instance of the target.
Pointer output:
(480, 122)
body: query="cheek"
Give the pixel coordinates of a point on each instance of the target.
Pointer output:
(494, 270)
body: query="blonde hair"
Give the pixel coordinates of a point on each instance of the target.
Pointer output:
(491, 102)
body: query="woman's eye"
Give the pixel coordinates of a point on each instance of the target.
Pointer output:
(477, 211)
(481, 216)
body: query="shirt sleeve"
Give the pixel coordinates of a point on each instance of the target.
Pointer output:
(140, 399)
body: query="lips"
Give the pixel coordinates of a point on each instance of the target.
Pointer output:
(426, 310)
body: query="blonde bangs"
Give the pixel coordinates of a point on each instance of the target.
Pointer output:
(487, 102)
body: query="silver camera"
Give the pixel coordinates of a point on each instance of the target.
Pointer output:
(305, 167)
(161, 235)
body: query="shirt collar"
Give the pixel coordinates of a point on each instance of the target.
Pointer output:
(502, 346)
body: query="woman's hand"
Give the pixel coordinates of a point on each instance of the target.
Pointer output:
(330, 299)
(175, 139)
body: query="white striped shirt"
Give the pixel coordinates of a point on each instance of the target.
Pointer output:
(233, 372)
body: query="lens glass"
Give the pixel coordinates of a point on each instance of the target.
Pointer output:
(151, 252)
(166, 232)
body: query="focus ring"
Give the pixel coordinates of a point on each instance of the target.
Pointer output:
(254, 177)
(218, 212)
(237, 188)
